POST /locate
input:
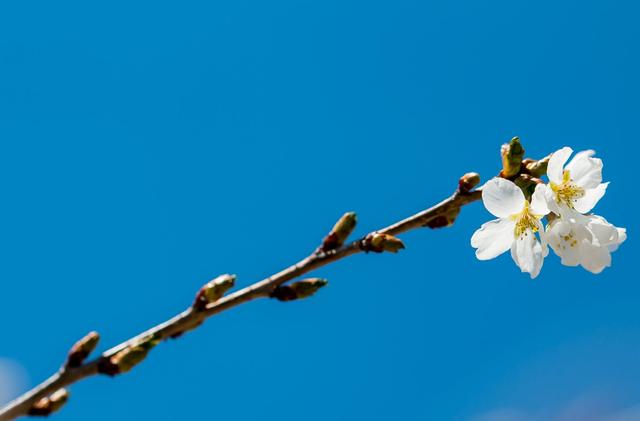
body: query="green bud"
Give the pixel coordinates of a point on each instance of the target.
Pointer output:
(512, 154)
(213, 290)
(129, 357)
(379, 242)
(340, 232)
(50, 404)
(298, 290)
(81, 349)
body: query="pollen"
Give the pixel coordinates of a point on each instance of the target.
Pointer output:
(525, 220)
(568, 191)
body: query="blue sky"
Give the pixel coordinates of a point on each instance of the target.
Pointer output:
(147, 147)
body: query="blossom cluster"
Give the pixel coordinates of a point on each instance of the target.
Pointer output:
(578, 237)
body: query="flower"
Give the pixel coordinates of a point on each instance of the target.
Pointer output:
(578, 185)
(585, 240)
(518, 221)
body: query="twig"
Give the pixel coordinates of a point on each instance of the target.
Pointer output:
(124, 356)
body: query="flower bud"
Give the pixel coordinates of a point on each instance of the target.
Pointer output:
(127, 358)
(468, 182)
(512, 154)
(379, 242)
(340, 232)
(81, 349)
(298, 290)
(50, 404)
(536, 168)
(213, 290)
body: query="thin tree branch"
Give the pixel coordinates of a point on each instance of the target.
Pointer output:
(133, 350)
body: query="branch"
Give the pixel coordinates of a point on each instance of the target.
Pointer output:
(51, 395)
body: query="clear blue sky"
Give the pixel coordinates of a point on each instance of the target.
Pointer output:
(146, 147)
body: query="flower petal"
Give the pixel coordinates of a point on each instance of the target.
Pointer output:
(502, 197)
(556, 164)
(584, 170)
(527, 253)
(493, 238)
(539, 205)
(557, 234)
(622, 236)
(595, 258)
(590, 198)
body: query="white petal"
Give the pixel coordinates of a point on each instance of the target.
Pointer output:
(543, 239)
(604, 232)
(538, 200)
(595, 258)
(550, 198)
(502, 197)
(493, 238)
(584, 170)
(556, 164)
(555, 235)
(622, 236)
(527, 253)
(590, 198)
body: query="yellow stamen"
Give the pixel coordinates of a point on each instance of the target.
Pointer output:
(568, 191)
(525, 220)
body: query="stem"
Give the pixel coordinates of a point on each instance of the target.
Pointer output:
(191, 319)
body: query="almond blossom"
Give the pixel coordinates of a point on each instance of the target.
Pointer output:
(576, 186)
(585, 240)
(518, 221)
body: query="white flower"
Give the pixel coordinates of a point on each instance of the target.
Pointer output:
(585, 240)
(578, 185)
(518, 221)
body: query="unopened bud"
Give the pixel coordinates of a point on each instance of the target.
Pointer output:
(81, 349)
(50, 404)
(128, 358)
(340, 232)
(298, 290)
(512, 154)
(536, 168)
(468, 182)
(379, 242)
(213, 290)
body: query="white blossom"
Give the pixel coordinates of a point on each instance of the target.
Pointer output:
(576, 186)
(518, 221)
(585, 240)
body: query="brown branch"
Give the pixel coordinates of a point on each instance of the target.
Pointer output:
(124, 356)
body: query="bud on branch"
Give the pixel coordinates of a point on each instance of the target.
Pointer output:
(340, 232)
(468, 182)
(512, 154)
(47, 406)
(378, 242)
(128, 358)
(298, 290)
(81, 349)
(213, 290)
